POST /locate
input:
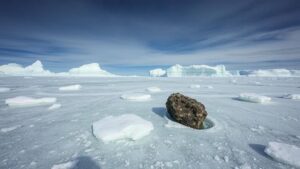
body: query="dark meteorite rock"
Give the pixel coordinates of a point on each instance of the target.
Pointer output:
(186, 111)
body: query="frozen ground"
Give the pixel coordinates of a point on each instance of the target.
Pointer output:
(34, 137)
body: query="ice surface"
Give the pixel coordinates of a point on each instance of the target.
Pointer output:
(153, 89)
(237, 138)
(253, 97)
(24, 101)
(136, 97)
(54, 106)
(197, 70)
(285, 153)
(126, 126)
(157, 72)
(70, 88)
(92, 69)
(292, 96)
(4, 89)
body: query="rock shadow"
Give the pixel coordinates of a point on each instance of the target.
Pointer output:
(85, 162)
(260, 149)
(160, 111)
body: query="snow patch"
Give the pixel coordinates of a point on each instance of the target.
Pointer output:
(24, 101)
(54, 106)
(157, 72)
(4, 89)
(254, 98)
(136, 97)
(126, 126)
(8, 129)
(153, 89)
(284, 153)
(70, 88)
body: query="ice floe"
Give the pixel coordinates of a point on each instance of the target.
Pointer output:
(153, 89)
(139, 97)
(126, 126)
(70, 88)
(284, 153)
(254, 98)
(24, 101)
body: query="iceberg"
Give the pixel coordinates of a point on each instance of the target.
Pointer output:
(157, 72)
(92, 69)
(36, 69)
(197, 70)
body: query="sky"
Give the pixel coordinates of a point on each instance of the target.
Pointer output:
(133, 36)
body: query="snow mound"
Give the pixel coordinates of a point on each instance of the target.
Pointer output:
(292, 96)
(92, 69)
(23, 101)
(136, 97)
(126, 126)
(36, 69)
(254, 98)
(70, 88)
(284, 153)
(153, 89)
(8, 129)
(4, 89)
(195, 86)
(157, 72)
(54, 106)
(197, 70)
(67, 165)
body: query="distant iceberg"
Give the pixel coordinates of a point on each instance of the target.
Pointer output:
(37, 69)
(270, 73)
(157, 72)
(92, 69)
(193, 70)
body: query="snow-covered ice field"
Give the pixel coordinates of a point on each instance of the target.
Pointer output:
(59, 134)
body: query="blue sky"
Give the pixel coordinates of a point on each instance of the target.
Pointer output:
(133, 36)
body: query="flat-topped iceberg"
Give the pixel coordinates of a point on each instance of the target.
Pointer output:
(190, 71)
(197, 70)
